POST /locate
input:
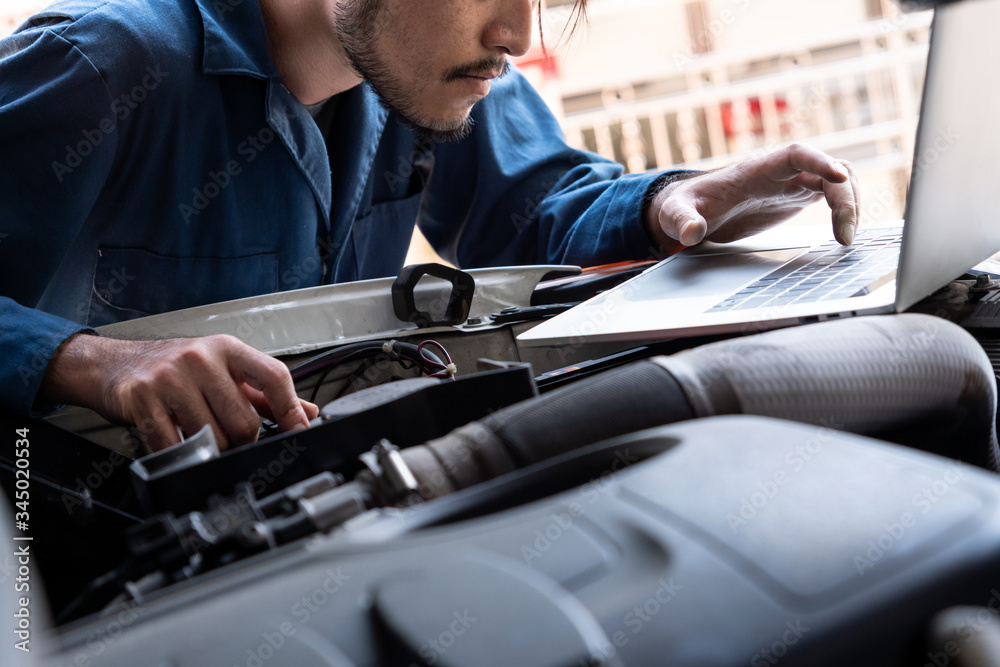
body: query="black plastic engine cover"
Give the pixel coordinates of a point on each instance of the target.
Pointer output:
(727, 541)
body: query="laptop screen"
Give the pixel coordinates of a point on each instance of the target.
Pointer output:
(954, 197)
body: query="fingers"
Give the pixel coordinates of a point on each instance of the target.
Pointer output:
(188, 383)
(233, 422)
(219, 402)
(157, 425)
(259, 402)
(311, 409)
(271, 378)
(798, 158)
(844, 206)
(746, 198)
(680, 220)
(842, 199)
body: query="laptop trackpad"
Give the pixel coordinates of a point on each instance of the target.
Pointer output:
(708, 275)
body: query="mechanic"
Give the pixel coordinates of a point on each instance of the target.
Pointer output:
(163, 154)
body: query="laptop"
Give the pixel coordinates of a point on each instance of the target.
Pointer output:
(789, 276)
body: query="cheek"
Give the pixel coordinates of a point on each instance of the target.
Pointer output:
(438, 33)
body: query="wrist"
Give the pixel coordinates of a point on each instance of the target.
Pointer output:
(74, 374)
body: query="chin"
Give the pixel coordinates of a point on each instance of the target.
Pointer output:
(444, 127)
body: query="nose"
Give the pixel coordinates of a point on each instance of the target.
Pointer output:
(510, 29)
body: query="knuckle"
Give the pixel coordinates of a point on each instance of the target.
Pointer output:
(222, 440)
(287, 413)
(196, 354)
(158, 379)
(243, 436)
(244, 432)
(276, 370)
(223, 339)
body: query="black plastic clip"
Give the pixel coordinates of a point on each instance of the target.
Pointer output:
(404, 303)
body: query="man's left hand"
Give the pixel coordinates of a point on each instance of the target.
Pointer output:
(750, 196)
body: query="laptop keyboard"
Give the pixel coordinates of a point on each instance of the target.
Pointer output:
(830, 271)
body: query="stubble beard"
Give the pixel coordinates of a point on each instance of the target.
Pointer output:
(359, 24)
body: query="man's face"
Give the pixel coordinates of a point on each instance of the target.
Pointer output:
(432, 60)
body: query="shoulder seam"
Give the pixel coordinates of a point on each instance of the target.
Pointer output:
(75, 47)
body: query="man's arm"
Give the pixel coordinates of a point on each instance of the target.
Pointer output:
(59, 133)
(515, 193)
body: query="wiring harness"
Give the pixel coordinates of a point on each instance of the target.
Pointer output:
(407, 355)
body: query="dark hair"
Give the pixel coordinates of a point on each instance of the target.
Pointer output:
(577, 14)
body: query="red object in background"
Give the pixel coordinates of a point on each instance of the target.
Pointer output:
(536, 57)
(756, 122)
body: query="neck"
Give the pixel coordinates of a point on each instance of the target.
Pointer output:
(306, 49)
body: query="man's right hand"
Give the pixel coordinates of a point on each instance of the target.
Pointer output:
(181, 382)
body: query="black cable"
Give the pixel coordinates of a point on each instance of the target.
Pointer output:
(428, 362)
(368, 363)
(354, 356)
(332, 357)
(115, 578)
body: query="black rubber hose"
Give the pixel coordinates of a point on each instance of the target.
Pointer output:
(913, 379)
(877, 376)
(623, 400)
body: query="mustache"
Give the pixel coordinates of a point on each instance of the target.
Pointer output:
(484, 67)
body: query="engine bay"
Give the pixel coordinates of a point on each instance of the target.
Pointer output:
(461, 500)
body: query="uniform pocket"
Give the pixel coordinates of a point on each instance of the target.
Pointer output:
(131, 283)
(382, 237)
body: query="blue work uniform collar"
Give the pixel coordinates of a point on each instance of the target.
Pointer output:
(235, 39)
(236, 43)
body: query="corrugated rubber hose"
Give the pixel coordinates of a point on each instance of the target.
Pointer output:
(914, 379)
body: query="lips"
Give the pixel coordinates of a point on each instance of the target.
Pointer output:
(477, 85)
(485, 77)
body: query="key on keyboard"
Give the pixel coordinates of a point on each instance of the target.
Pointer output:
(831, 271)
